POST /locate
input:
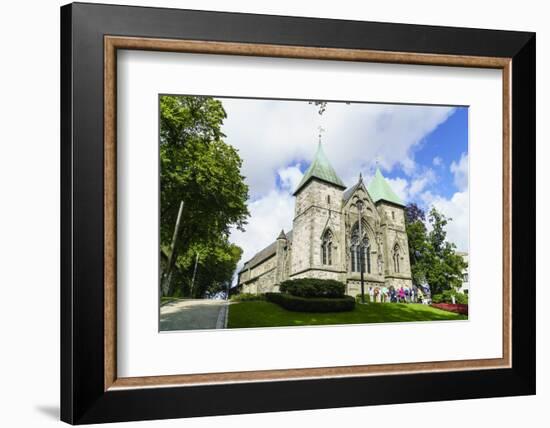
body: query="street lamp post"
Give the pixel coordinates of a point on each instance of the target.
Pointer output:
(359, 205)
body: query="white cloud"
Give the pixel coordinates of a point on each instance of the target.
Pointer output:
(460, 172)
(437, 161)
(273, 134)
(268, 215)
(420, 182)
(290, 177)
(400, 186)
(457, 208)
(409, 190)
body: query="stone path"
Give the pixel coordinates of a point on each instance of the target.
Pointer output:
(193, 314)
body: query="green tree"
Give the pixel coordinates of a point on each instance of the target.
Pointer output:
(446, 267)
(417, 237)
(433, 259)
(206, 269)
(200, 169)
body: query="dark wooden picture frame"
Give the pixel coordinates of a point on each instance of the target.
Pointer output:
(90, 37)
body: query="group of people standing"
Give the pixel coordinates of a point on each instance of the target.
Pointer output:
(402, 294)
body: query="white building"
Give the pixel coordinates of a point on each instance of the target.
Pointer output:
(465, 276)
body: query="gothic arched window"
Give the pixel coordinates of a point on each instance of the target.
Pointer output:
(326, 248)
(396, 258)
(359, 250)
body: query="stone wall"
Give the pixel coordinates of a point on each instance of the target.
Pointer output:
(261, 277)
(263, 267)
(262, 284)
(398, 282)
(301, 237)
(324, 219)
(320, 274)
(353, 288)
(280, 259)
(318, 194)
(318, 207)
(243, 276)
(393, 227)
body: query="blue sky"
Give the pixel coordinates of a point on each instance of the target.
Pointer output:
(421, 150)
(447, 144)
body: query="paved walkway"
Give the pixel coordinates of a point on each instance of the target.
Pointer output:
(193, 314)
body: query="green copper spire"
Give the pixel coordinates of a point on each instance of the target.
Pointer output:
(380, 190)
(321, 169)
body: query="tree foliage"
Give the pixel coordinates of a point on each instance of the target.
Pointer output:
(418, 242)
(433, 259)
(200, 169)
(321, 105)
(215, 264)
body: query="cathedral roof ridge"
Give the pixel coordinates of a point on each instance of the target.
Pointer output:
(264, 253)
(321, 169)
(380, 190)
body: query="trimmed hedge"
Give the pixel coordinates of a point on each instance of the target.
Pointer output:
(311, 304)
(313, 287)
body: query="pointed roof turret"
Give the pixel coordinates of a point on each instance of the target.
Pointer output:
(282, 235)
(320, 169)
(349, 193)
(380, 190)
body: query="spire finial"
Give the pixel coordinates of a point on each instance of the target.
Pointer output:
(321, 130)
(360, 176)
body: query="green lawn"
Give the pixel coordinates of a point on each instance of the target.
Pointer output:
(267, 314)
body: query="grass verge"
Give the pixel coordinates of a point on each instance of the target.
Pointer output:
(267, 314)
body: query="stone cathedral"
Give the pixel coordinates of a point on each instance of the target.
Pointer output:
(325, 239)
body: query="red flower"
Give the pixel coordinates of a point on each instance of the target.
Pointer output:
(457, 308)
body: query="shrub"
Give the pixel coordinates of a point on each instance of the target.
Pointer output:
(247, 297)
(313, 287)
(462, 298)
(312, 304)
(446, 297)
(437, 298)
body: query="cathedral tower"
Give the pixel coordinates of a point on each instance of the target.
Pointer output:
(392, 222)
(318, 227)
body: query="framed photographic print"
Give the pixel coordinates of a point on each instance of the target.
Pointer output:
(277, 213)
